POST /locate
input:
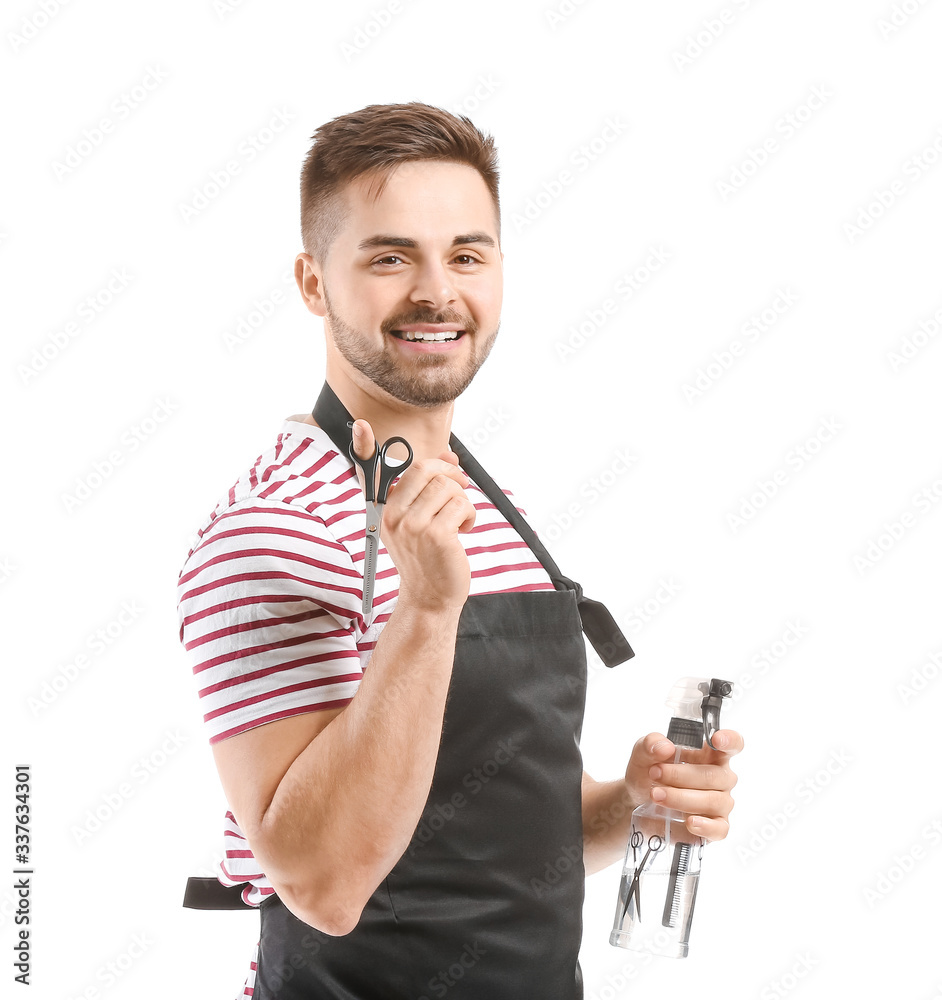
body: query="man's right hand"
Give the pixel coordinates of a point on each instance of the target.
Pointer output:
(425, 511)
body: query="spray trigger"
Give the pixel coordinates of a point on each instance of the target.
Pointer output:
(714, 692)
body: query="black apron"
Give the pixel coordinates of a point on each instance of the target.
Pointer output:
(486, 902)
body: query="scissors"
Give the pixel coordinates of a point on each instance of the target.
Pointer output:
(375, 499)
(655, 844)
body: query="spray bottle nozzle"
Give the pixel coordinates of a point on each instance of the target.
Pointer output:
(714, 691)
(695, 704)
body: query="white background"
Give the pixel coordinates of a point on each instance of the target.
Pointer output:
(832, 865)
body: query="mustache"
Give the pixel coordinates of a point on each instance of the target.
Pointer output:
(428, 316)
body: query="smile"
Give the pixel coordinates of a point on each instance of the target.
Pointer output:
(428, 337)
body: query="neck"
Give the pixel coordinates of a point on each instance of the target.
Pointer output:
(426, 430)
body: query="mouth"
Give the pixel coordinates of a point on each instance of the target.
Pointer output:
(428, 336)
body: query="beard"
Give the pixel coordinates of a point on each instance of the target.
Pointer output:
(427, 380)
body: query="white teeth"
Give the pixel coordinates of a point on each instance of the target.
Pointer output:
(419, 335)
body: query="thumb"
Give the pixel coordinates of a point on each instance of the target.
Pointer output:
(364, 443)
(655, 748)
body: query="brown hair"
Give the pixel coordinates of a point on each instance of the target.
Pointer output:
(375, 141)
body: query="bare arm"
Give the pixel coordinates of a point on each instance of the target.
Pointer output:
(330, 800)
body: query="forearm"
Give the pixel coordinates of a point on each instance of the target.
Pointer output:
(606, 819)
(348, 805)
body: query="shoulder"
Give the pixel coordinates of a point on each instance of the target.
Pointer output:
(296, 504)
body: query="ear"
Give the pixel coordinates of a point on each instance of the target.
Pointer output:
(308, 275)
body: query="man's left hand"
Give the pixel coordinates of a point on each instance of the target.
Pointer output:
(700, 786)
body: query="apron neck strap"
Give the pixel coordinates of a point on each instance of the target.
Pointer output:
(600, 628)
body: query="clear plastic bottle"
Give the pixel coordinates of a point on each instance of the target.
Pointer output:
(662, 861)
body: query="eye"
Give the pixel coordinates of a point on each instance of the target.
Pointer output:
(391, 259)
(467, 259)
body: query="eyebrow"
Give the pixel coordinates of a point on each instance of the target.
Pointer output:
(385, 240)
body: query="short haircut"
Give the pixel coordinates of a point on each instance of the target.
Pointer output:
(375, 141)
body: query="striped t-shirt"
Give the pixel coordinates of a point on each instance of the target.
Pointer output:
(270, 597)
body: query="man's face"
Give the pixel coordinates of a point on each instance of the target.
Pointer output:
(420, 261)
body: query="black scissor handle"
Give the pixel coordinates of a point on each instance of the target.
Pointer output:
(387, 473)
(368, 468)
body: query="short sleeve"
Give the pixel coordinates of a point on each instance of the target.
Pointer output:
(267, 605)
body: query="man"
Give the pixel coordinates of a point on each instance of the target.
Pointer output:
(399, 787)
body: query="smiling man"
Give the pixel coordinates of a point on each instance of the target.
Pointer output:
(400, 786)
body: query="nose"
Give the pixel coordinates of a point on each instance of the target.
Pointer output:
(433, 286)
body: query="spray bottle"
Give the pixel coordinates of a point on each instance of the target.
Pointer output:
(662, 862)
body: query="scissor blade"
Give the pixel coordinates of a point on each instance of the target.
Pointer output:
(371, 551)
(369, 574)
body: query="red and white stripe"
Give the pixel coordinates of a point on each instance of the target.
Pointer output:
(270, 597)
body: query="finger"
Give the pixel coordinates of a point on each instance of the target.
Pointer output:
(438, 492)
(693, 800)
(364, 442)
(728, 741)
(658, 747)
(457, 514)
(708, 827)
(414, 481)
(713, 777)
(728, 744)
(449, 456)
